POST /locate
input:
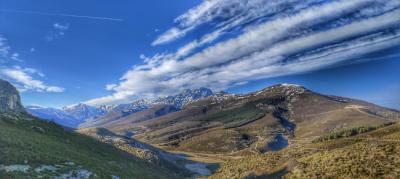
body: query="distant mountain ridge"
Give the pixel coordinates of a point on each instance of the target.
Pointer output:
(56, 115)
(151, 108)
(186, 97)
(84, 111)
(73, 116)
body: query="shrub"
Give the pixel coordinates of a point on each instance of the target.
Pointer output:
(348, 132)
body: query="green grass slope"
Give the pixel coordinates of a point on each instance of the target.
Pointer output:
(31, 148)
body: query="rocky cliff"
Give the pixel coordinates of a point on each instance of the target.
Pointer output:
(9, 98)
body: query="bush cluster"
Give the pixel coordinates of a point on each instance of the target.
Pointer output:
(348, 132)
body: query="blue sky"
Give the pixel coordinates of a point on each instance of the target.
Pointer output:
(101, 52)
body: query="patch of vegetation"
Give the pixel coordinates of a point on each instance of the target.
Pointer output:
(236, 117)
(25, 140)
(360, 160)
(348, 132)
(243, 121)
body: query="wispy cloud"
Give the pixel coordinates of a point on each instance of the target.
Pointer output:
(4, 49)
(272, 41)
(58, 31)
(61, 27)
(226, 15)
(24, 78)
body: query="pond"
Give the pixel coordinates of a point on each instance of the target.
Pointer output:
(199, 169)
(278, 143)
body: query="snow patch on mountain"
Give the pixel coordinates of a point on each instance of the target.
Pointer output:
(83, 111)
(186, 97)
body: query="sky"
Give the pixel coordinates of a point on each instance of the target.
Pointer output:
(59, 53)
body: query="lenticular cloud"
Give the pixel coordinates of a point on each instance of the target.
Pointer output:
(257, 39)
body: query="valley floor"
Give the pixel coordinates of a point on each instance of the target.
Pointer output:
(343, 157)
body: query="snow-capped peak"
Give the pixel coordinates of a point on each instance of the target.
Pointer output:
(184, 98)
(290, 85)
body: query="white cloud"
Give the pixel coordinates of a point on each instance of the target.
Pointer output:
(311, 37)
(4, 49)
(15, 57)
(227, 14)
(29, 71)
(57, 32)
(248, 11)
(168, 36)
(24, 78)
(111, 86)
(61, 27)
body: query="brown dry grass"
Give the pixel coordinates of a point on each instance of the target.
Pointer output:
(374, 154)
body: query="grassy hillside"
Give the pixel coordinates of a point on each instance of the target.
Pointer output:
(373, 154)
(31, 148)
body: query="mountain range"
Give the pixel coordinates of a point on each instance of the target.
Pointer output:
(226, 123)
(82, 114)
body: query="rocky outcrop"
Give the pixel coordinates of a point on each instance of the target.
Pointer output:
(9, 98)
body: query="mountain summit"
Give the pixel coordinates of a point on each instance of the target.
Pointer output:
(83, 111)
(186, 97)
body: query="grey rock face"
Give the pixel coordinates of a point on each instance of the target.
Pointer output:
(9, 98)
